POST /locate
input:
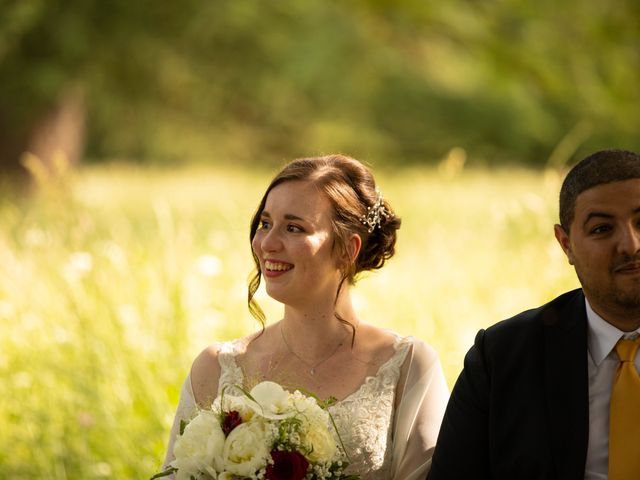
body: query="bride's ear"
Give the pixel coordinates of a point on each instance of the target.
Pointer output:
(354, 244)
(348, 253)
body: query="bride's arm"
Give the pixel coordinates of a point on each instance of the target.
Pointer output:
(422, 399)
(198, 391)
(185, 410)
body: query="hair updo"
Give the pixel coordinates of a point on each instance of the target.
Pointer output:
(350, 188)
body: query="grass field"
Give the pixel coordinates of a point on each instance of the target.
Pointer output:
(114, 277)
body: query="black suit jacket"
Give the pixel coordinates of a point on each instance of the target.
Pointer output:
(520, 408)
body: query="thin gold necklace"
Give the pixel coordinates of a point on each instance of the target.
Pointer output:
(312, 368)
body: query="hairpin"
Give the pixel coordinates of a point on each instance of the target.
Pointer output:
(375, 213)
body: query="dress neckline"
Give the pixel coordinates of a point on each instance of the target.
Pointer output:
(400, 346)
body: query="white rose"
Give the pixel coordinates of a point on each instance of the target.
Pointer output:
(246, 449)
(309, 408)
(229, 403)
(317, 437)
(199, 448)
(272, 400)
(303, 404)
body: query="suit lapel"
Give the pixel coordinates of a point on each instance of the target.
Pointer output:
(566, 383)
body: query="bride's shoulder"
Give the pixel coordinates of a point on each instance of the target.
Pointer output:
(205, 372)
(384, 338)
(378, 344)
(385, 344)
(206, 368)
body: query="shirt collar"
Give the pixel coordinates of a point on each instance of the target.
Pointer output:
(602, 336)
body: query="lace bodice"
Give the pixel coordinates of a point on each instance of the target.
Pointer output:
(364, 418)
(383, 442)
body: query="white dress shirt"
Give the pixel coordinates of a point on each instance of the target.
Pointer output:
(602, 364)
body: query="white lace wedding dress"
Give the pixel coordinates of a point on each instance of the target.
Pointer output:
(382, 444)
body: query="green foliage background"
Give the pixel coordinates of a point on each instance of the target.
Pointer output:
(115, 277)
(401, 81)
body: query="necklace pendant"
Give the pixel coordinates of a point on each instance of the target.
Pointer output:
(312, 371)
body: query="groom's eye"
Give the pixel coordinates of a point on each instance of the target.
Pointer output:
(600, 229)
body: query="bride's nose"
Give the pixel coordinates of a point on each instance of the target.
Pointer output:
(271, 241)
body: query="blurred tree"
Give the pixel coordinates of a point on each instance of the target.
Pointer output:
(397, 81)
(518, 80)
(54, 55)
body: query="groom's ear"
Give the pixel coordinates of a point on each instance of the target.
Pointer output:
(565, 242)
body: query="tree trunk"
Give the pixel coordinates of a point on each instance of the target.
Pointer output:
(56, 136)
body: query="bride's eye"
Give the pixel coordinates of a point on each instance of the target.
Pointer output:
(264, 225)
(294, 228)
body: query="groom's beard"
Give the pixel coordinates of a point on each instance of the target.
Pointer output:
(620, 294)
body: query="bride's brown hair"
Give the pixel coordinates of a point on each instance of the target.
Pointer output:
(350, 187)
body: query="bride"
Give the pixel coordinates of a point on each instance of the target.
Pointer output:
(320, 223)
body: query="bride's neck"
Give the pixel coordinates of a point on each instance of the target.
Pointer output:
(314, 328)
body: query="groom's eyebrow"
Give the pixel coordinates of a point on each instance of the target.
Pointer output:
(597, 215)
(605, 215)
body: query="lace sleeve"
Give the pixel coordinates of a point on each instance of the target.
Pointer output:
(185, 411)
(419, 414)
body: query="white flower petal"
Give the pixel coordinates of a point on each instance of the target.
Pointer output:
(272, 399)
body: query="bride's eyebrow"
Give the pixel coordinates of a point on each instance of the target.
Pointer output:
(287, 216)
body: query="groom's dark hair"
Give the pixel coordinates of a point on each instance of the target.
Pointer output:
(602, 167)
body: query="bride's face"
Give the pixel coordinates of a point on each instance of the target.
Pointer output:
(294, 245)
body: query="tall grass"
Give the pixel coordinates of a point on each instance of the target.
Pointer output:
(113, 278)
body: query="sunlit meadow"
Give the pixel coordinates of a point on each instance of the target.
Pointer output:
(114, 277)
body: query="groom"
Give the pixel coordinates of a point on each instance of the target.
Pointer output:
(554, 393)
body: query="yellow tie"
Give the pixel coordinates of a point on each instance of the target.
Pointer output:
(624, 419)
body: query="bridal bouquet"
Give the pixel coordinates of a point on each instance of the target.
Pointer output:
(267, 433)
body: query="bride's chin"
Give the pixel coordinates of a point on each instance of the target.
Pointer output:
(277, 294)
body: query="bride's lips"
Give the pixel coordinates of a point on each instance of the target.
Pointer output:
(275, 268)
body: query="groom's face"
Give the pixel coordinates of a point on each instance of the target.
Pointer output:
(603, 244)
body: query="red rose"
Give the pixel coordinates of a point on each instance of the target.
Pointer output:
(287, 466)
(230, 421)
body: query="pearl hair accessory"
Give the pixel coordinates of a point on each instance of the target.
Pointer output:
(375, 213)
